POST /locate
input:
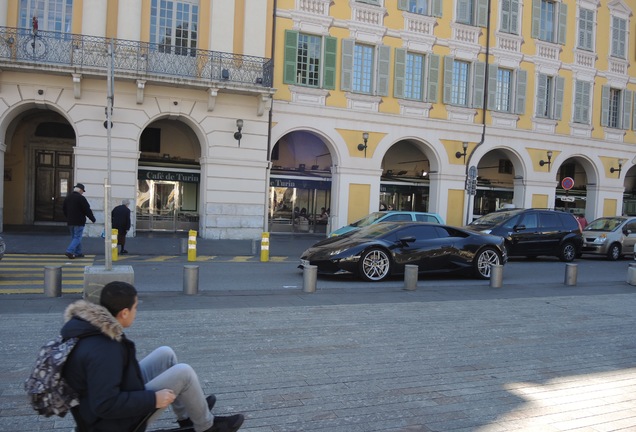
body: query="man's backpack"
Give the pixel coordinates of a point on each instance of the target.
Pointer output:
(48, 392)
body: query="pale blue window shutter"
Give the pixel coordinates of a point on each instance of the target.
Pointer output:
(329, 63)
(384, 69)
(482, 13)
(505, 16)
(563, 23)
(463, 11)
(479, 69)
(627, 106)
(558, 96)
(536, 18)
(291, 57)
(346, 79)
(542, 88)
(605, 94)
(520, 96)
(433, 78)
(586, 29)
(436, 8)
(634, 118)
(492, 87)
(448, 78)
(582, 102)
(399, 73)
(514, 17)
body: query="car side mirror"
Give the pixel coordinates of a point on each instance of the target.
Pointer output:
(627, 232)
(517, 228)
(406, 240)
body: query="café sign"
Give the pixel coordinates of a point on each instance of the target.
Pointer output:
(174, 176)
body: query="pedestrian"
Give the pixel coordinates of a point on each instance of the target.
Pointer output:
(121, 222)
(118, 393)
(76, 209)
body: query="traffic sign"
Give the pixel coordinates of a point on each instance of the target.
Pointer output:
(567, 183)
(472, 172)
(567, 199)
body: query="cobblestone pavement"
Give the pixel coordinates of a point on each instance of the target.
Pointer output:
(550, 359)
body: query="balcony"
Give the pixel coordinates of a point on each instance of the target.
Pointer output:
(55, 52)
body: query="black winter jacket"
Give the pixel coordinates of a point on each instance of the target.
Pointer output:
(104, 370)
(76, 209)
(121, 218)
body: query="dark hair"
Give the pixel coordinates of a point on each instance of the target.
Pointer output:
(117, 296)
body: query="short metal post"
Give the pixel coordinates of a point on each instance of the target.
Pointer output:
(631, 274)
(496, 276)
(53, 281)
(190, 279)
(310, 275)
(184, 246)
(410, 277)
(570, 274)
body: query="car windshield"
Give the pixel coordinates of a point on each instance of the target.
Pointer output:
(604, 224)
(492, 219)
(368, 219)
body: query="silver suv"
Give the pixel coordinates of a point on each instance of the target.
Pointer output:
(613, 237)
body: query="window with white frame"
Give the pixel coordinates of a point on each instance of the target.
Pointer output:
(585, 40)
(509, 16)
(173, 26)
(549, 20)
(52, 15)
(464, 82)
(422, 7)
(416, 76)
(507, 90)
(365, 68)
(550, 91)
(459, 91)
(503, 91)
(310, 60)
(619, 37)
(616, 105)
(472, 12)
(582, 101)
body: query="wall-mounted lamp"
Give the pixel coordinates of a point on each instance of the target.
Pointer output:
(363, 147)
(619, 169)
(548, 162)
(238, 135)
(462, 154)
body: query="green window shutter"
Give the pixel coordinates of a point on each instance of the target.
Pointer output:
(482, 13)
(578, 102)
(514, 17)
(605, 94)
(542, 87)
(399, 73)
(558, 96)
(346, 79)
(520, 95)
(384, 70)
(479, 70)
(329, 63)
(291, 57)
(536, 18)
(627, 109)
(403, 5)
(448, 78)
(436, 8)
(433, 78)
(463, 11)
(587, 101)
(563, 23)
(505, 16)
(492, 87)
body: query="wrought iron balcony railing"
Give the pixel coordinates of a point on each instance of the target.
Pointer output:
(89, 54)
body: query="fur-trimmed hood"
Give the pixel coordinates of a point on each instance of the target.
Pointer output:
(84, 318)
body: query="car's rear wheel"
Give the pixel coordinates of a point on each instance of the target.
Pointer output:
(483, 261)
(375, 265)
(614, 252)
(568, 252)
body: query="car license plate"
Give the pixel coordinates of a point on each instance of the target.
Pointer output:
(304, 263)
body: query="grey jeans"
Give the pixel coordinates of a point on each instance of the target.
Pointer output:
(160, 371)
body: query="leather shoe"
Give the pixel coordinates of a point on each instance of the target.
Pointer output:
(69, 255)
(227, 424)
(80, 256)
(185, 423)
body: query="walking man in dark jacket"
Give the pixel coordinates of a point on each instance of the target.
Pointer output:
(121, 222)
(116, 392)
(76, 209)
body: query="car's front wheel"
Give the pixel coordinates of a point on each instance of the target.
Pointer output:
(614, 252)
(483, 261)
(568, 252)
(375, 265)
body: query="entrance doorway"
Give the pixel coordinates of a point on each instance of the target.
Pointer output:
(53, 181)
(167, 206)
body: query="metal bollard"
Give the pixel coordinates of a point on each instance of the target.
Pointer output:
(192, 245)
(53, 281)
(265, 247)
(113, 244)
(570, 274)
(184, 246)
(190, 279)
(410, 277)
(310, 275)
(496, 276)
(631, 274)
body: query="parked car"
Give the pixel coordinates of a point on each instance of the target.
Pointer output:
(534, 232)
(610, 236)
(389, 216)
(378, 251)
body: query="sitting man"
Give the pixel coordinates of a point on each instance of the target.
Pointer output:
(119, 394)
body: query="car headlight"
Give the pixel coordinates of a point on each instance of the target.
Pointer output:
(601, 239)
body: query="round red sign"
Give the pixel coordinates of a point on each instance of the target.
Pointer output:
(567, 183)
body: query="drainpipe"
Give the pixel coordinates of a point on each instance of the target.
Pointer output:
(269, 126)
(483, 109)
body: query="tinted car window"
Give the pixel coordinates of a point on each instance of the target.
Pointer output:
(630, 226)
(510, 223)
(444, 231)
(530, 220)
(569, 222)
(397, 217)
(420, 232)
(549, 220)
